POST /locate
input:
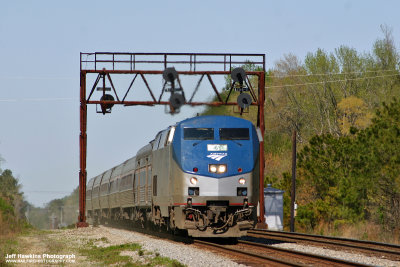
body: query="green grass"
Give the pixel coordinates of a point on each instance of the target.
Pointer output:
(111, 255)
(8, 245)
(163, 261)
(54, 246)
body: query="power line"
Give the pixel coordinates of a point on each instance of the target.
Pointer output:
(39, 99)
(332, 81)
(273, 86)
(49, 192)
(34, 78)
(331, 73)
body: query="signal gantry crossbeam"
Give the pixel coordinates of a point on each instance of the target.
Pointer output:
(105, 66)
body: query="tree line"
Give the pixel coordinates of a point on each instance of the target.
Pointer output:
(345, 108)
(12, 204)
(347, 136)
(16, 213)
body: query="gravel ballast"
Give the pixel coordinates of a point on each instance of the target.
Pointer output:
(188, 254)
(185, 254)
(360, 258)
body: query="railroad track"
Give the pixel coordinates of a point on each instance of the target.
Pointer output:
(389, 251)
(255, 254)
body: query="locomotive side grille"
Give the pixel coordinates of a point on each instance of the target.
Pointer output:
(149, 190)
(126, 198)
(136, 195)
(142, 192)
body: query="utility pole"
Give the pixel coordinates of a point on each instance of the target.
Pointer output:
(61, 215)
(293, 193)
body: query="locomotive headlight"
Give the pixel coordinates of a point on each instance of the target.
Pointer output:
(242, 181)
(222, 168)
(193, 180)
(212, 168)
(217, 168)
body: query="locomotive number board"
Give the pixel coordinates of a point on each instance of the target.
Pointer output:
(217, 147)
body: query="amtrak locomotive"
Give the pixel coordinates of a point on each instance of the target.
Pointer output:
(200, 176)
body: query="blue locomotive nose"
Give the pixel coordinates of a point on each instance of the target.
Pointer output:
(216, 150)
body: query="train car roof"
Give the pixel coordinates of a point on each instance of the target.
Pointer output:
(97, 179)
(144, 151)
(129, 165)
(117, 171)
(107, 176)
(90, 183)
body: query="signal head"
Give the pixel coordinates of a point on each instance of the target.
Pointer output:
(176, 100)
(106, 108)
(170, 74)
(238, 75)
(244, 100)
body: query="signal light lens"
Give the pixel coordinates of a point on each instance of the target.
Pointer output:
(193, 180)
(242, 181)
(195, 169)
(240, 169)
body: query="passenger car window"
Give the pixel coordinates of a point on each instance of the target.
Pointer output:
(112, 185)
(234, 134)
(103, 189)
(198, 133)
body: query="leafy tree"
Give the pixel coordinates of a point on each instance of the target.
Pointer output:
(12, 203)
(353, 177)
(384, 51)
(383, 140)
(353, 112)
(10, 191)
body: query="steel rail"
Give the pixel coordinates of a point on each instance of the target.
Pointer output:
(357, 244)
(254, 255)
(304, 254)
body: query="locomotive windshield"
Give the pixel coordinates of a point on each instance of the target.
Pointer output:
(234, 134)
(198, 133)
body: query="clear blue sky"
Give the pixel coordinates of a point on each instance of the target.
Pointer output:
(40, 42)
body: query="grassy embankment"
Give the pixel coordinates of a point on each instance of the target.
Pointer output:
(87, 251)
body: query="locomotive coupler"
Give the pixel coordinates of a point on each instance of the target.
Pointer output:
(197, 217)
